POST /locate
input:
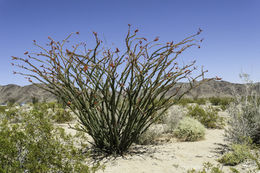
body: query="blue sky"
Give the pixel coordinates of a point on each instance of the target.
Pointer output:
(231, 29)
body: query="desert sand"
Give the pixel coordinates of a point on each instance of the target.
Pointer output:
(168, 156)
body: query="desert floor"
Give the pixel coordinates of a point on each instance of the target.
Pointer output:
(169, 156)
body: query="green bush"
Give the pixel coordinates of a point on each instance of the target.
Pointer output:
(208, 117)
(62, 115)
(189, 129)
(12, 113)
(184, 101)
(55, 111)
(223, 102)
(2, 109)
(238, 155)
(35, 145)
(200, 101)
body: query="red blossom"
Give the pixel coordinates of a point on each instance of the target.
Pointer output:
(136, 30)
(85, 68)
(77, 32)
(112, 65)
(156, 39)
(117, 50)
(26, 52)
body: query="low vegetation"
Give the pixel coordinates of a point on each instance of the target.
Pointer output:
(208, 168)
(208, 117)
(238, 154)
(189, 129)
(36, 145)
(244, 120)
(223, 102)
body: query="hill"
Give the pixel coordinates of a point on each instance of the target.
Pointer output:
(24, 94)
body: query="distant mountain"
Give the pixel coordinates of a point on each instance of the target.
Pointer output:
(219, 89)
(24, 94)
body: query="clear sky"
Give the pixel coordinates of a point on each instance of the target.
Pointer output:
(231, 29)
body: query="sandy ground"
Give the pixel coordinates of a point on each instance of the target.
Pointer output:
(168, 157)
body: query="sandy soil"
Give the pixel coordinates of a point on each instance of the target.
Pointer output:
(168, 157)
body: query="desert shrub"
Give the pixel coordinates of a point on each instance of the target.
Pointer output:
(2, 109)
(223, 102)
(148, 137)
(208, 117)
(255, 157)
(62, 115)
(244, 116)
(172, 118)
(238, 155)
(208, 168)
(116, 94)
(200, 101)
(35, 145)
(189, 129)
(55, 111)
(184, 101)
(12, 113)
